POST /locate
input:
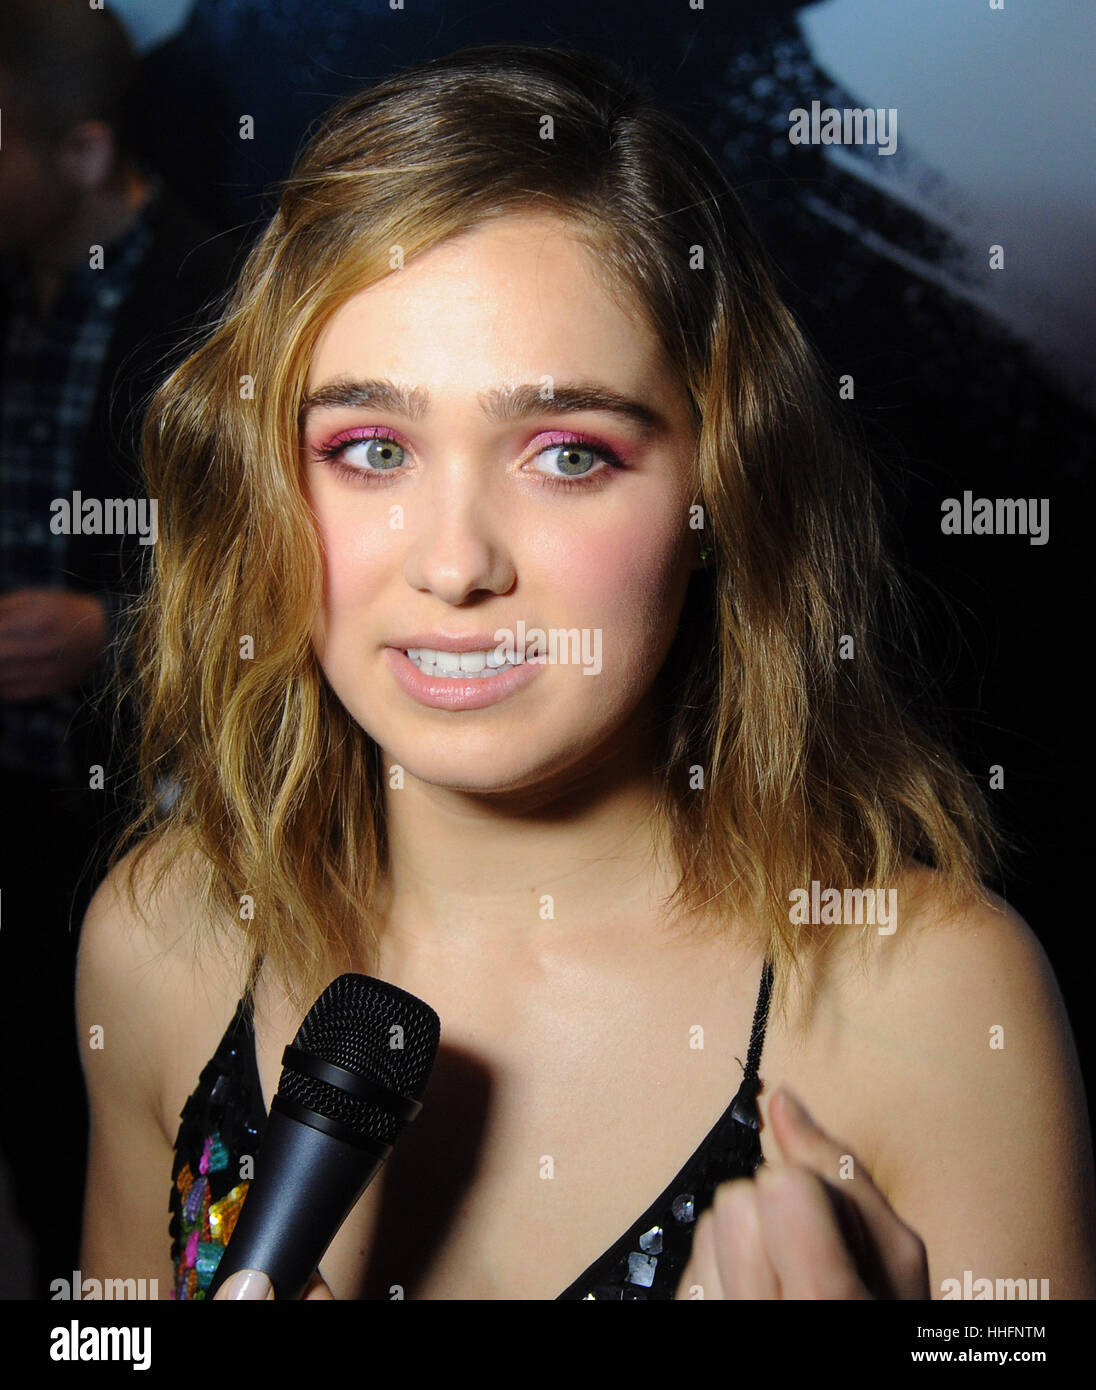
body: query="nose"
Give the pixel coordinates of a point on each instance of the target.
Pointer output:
(457, 544)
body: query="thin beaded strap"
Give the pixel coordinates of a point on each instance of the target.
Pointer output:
(760, 1020)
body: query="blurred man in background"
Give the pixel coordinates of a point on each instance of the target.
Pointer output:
(102, 272)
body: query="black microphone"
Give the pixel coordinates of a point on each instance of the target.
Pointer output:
(352, 1078)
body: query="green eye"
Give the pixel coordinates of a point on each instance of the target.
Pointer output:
(571, 459)
(381, 454)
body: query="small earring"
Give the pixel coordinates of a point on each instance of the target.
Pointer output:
(705, 556)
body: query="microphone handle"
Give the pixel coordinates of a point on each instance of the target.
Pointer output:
(306, 1183)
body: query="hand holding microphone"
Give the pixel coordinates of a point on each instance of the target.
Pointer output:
(351, 1080)
(254, 1285)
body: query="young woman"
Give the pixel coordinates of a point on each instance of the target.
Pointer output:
(508, 358)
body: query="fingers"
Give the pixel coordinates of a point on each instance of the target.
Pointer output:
(246, 1284)
(701, 1276)
(813, 1226)
(317, 1288)
(891, 1255)
(745, 1266)
(802, 1236)
(775, 1237)
(253, 1284)
(728, 1258)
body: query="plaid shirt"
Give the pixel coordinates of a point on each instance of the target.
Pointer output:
(50, 369)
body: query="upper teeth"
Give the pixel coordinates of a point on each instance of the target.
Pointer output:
(466, 663)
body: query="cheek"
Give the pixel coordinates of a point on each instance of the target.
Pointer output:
(629, 581)
(358, 549)
(355, 553)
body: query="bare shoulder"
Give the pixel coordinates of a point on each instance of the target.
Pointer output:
(937, 964)
(966, 1062)
(970, 982)
(154, 975)
(153, 983)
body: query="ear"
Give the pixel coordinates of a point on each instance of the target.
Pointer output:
(86, 155)
(699, 545)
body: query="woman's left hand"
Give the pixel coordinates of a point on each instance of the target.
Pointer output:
(802, 1230)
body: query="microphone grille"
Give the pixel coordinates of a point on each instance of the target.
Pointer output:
(373, 1029)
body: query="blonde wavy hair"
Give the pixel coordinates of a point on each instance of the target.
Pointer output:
(811, 767)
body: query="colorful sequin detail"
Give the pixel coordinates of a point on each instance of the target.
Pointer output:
(224, 1119)
(215, 1147)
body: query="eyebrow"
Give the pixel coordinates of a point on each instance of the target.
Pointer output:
(499, 405)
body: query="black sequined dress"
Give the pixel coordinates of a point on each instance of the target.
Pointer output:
(221, 1135)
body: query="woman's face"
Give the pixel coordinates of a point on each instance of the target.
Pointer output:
(479, 499)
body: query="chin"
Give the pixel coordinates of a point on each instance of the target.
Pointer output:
(504, 769)
(496, 765)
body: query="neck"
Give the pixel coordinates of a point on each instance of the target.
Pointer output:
(474, 872)
(96, 218)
